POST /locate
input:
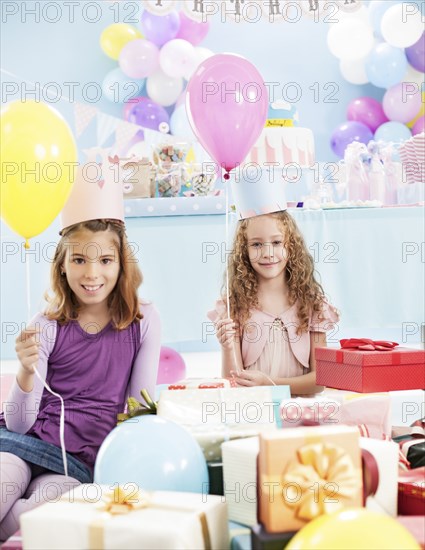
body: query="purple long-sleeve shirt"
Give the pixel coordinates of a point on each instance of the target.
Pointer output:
(94, 373)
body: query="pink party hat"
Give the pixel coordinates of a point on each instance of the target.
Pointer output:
(97, 193)
(255, 196)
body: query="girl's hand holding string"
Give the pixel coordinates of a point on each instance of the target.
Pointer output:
(226, 331)
(27, 349)
(252, 378)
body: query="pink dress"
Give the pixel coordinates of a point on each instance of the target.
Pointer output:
(271, 344)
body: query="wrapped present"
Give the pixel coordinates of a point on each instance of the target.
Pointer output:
(240, 479)
(203, 384)
(216, 415)
(308, 411)
(307, 472)
(215, 478)
(371, 413)
(370, 371)
(412, 444)
(92, 517)
(14, 542)
(262, 540)
(380, 472)
(411, 492)
(416, 527)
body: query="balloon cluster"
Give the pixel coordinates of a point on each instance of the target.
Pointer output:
(383, 45)
(154, 63)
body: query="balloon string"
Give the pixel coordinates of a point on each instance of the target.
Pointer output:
(61, 421)
(62, 415)
(227, 272)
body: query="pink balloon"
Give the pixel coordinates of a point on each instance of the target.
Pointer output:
(402, 102)
(419, 126)
(172, 367)
(227, 105)
(368, 111)
(191, 30)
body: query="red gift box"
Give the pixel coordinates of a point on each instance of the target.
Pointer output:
(411, 492)
(370, 371)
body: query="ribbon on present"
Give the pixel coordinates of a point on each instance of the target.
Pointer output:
(365, 344)
(121, 501)
(136, 408)
(325, 466)
(370, 475)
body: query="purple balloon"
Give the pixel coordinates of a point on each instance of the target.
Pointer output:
(416, 54)
(348, 132)
(191, 30)
(148, 114)
(159, 29)
(227, 124)
(128, 105)
(419, 126)
(368, 111)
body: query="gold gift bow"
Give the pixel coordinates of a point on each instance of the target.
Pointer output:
(136, 408)
(120, 501)
(331, 468)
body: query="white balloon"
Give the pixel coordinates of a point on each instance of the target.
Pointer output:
(401, 25)
(350, 39)
(361, 13)
(201, 54)
(164, 89)
(354, 71)
(177, 57)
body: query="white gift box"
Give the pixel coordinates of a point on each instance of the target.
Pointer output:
(386, 456)
(169, 521)
(240, 479)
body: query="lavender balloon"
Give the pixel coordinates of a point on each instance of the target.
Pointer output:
(160, 29)
(148, 114)
(416, 54)
(402, 102)
(191, 30)
(348, 132)
(368, 111)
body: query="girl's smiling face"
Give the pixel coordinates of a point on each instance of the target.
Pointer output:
(266, 247)
(92, 266)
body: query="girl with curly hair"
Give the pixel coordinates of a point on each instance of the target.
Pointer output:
(278, 311)
(95, 344)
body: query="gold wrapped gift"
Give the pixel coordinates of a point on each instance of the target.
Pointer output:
(307, 472)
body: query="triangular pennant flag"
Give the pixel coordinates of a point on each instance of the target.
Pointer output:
(124, 133)
(83, 115)
(106, 126)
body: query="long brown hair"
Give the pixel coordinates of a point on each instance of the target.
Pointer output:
(123, 301)
(303, 288)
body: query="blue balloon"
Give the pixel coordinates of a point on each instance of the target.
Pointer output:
(376, 10)
(392, 131)
(156, 454)
(180, 125)
(119, 88)
(385, 65)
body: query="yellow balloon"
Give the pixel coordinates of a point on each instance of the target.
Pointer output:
(116, 36)
(353, 529)
(421, 113)
(38, 159)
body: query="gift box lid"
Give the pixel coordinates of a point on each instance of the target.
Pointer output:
(397, 356)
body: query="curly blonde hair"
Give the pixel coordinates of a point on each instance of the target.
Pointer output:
(123, 301)
(303, 288)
